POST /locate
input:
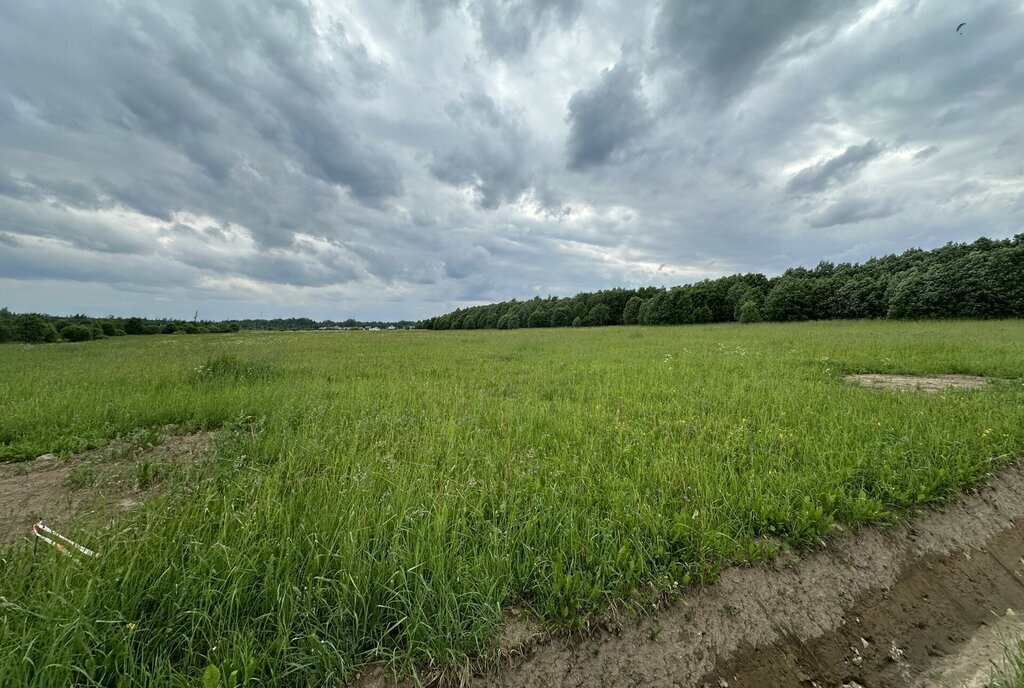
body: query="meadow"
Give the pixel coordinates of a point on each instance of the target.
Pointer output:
(388, 496)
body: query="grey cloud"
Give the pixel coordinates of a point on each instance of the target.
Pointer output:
(466, 264)
(606, 118)
(724, 44)
(852, 211)
(490, 154)
(508, 28)
(840, 169)
(433, 11)
(926, 153)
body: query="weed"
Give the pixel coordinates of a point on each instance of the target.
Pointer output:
(81, 477)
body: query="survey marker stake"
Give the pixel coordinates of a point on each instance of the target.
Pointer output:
(51, 536)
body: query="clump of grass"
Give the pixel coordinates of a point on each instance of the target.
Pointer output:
(81, 477)
(1010, 672)
(232, 367)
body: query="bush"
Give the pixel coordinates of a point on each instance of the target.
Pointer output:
(76, 333)
(6, 333)
(108, 328)
(169, 328)
(702, 315)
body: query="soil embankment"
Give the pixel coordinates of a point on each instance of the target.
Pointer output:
(923, 603)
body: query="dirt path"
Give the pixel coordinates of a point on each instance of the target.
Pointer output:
(909, 605)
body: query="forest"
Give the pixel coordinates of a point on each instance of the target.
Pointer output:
(982, 279)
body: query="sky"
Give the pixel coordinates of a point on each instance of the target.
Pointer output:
(396, 159)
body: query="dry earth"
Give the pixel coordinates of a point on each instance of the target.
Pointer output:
(931, 384)
(90, 488)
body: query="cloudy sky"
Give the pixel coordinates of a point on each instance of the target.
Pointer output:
(399, 158)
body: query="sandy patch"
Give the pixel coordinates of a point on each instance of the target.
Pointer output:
(930, 384)
(88, 489)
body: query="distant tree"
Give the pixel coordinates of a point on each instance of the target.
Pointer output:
(749, 313)
(35, 330)
(539, 318)
(790, 299)
(631, 313)
(702, 315)
(108, 328)
(169, 328)
(134, 326)
(599, 315)
(577, 322)
(561, 316)
(6, 332)
(76, 333)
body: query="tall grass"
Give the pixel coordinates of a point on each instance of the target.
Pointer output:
(383, 496)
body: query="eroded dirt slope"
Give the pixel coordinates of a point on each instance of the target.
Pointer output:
(885, 607)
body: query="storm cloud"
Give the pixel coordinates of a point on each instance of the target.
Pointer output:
(606, 118)
(836, 170)
(400, 159)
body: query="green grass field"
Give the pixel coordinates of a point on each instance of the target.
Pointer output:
(382, 496)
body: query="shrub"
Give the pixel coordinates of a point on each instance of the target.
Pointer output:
(702, 315)
(169, 328)
(76, 333)
(6, 333)
(108, 328)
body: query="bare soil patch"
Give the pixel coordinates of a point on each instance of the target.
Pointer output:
(930, 384)
(90, 488)
(918, 604)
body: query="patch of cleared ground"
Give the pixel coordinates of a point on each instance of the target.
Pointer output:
(92, 487)
(931, 384)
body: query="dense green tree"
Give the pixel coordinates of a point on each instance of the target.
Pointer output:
(539, 318)
(34, 330)
(599, 315)
(749, 312)
(702, 315)
(790, 298)
(631, 313)
(561, 316)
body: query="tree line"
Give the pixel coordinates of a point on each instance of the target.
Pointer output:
(983, 279)
(39, 328)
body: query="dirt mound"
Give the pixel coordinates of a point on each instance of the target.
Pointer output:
(88, 488)
(930, 384)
